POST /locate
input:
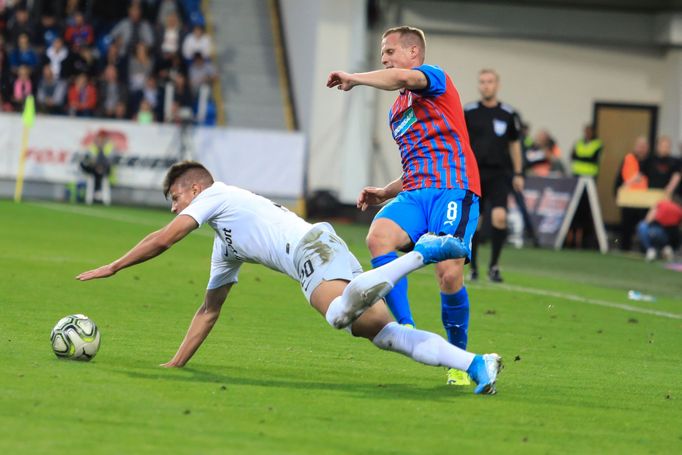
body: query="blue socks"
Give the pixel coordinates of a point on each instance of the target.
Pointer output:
(397, 298)
(455, 315)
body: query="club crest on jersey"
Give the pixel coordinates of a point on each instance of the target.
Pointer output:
(500, 127)
(401, 126)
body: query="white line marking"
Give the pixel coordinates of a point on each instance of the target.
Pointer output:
(95, 213)
(577, 298)
(571, 297)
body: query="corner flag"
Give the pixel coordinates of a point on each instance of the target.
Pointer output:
(27, 118)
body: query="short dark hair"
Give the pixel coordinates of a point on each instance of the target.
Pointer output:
(182, 168)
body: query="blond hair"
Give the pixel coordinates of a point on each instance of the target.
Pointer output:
(489, 71)
(410, 36)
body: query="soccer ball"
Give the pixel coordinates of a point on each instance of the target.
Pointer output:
(75, 337)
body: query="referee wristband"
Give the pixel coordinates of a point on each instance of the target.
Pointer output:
(518, 174)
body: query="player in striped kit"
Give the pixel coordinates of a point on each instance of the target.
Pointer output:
(439, 189)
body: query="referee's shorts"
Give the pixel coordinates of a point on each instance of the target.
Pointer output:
(496, 186)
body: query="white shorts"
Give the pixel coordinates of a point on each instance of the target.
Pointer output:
(321, 255)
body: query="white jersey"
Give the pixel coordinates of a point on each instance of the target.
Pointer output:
(249, 228)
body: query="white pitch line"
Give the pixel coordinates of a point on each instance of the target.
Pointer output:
(571, 297)
(577, 298)
(87, 211)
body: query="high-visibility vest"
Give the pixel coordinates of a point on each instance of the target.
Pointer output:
(107, 149)
(586, 158)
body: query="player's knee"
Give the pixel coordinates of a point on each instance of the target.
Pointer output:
(450, 278)
(379, 243)
(498, 218)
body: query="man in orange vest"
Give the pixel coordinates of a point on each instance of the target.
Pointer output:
(632, 176)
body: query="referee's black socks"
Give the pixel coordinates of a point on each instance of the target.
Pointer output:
(498, 237)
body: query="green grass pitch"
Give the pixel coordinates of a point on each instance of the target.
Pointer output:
(587, 371)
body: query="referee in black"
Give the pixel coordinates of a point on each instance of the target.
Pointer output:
(494, 134)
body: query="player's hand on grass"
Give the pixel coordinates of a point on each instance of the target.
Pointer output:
(171, 364)
(101, 272)
(371, 195)
(341, 80)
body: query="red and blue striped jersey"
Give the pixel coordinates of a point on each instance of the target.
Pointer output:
(428, 126)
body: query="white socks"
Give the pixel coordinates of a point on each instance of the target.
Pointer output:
(365, 289)
(398, 268)
(422, 346)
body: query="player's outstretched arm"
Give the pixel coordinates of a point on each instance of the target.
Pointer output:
(204, 320)
(151, 246)
(371, 195)
(386, 79)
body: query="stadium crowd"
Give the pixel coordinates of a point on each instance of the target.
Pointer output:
(145, 59)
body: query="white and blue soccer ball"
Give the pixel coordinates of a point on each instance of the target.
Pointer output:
(75, 337)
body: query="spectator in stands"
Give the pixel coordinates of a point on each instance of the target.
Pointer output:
(117, 59)
(23, 55)
(22, 87)
(19, 25)
(144, 115)
(140, 67)
(197, 41)
(133, 30)
(168, 67)
(82, 97)
(170, 35)
(200, 72)
(111, 92)
(544, 157)
(632, 177)
(182, 96)
(662, 169)
(120, 111)
(51, 93)
(47, 31)
(80, 33)
(57, 55)
(166, 8)
(660, 230)
(74, 7)
(150, 92)
(83, 61)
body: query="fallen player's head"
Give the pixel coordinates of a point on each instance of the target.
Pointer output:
(183, 181)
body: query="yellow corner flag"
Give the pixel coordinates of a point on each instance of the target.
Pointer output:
(27, 118)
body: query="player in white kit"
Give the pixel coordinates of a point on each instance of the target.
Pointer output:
(251, 228)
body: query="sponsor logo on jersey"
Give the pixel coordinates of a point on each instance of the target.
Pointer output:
(406, 121)
(229, 244)
(500, 127)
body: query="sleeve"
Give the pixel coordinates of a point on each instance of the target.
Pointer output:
(222, 271)
(514, 126)
(435, 78)
(202, 208)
